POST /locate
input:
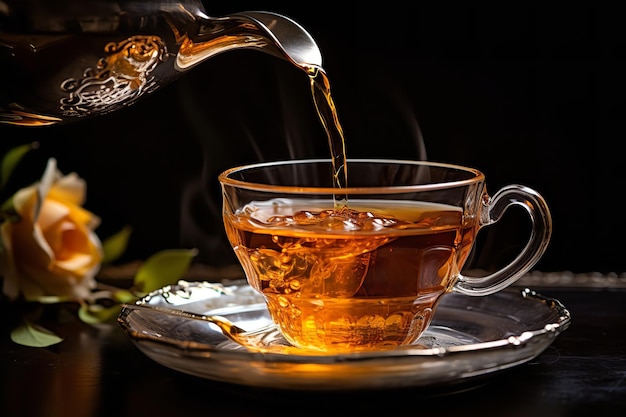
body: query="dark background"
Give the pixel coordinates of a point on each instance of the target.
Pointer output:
(530, 95)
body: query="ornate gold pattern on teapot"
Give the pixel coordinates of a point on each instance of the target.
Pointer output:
(119, 79)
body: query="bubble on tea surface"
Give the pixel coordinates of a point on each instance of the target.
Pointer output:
(331, 220)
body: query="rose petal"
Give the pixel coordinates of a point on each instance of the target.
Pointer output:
(52, 212)
(70, 189)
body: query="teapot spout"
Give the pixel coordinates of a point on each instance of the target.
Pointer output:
(268, 32)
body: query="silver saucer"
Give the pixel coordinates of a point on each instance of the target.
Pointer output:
(469, 337)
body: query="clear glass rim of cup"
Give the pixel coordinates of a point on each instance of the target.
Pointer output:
(474, 176)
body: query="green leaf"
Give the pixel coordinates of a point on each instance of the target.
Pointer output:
(29, 334)
(115, 245)
(95, 313)
(163, 268)
(123, 296)
(11, 159)
(7, 211)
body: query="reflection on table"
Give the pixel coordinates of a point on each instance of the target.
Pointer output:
(98, 371)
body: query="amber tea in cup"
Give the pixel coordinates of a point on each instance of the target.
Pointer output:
(363, 268)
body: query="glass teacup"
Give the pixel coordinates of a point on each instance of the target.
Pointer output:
(363, 267)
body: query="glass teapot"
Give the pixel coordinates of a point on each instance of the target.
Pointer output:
(69, 59)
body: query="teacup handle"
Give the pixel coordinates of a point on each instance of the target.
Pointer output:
(494, 208)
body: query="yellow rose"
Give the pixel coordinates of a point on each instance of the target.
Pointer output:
(51, 250)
